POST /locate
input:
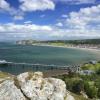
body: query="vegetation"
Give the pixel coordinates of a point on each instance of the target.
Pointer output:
(78, 96)
(94, 67)
(4, 75)
(89, 84)
(63, 42)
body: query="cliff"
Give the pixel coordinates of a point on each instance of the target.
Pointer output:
(32, 86)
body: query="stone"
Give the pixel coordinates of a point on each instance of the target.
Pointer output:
(35, 87)
(8, 91)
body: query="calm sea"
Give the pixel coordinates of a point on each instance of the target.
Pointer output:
(42, 55)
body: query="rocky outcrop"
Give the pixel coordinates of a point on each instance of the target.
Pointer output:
(8, 91)
(34, 87)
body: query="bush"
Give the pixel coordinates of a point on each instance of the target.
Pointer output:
(98, 94)
(90, 90)
(78, 86)
(98, 71)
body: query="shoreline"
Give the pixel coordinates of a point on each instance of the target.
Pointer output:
(81, 48)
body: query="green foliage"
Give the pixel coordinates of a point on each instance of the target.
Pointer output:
(90, 90)
(90, 84)
(63, 42)
(78, 86)
(98, 71)
(93, 67)
(98, 94)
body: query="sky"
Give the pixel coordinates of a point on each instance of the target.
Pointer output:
(49, 19)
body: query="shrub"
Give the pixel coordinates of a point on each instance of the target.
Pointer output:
(90, 90)
(78, 86)
(98, 94)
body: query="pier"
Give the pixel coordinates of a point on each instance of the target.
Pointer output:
(36, 67)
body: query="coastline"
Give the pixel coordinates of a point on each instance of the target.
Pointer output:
(79, 48)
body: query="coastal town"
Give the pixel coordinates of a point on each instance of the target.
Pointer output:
(88, 44)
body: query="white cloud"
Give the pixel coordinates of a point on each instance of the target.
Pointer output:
(4, 5)
(18, 17)
(59, 24)
(28, 22)
(86, 18)
(11, 27)
(13, 31)
(76, 1)
(26, 6)
(82, 24)
(16, 14)
(34, 5)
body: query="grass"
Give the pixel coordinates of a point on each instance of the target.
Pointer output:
(94, 67)
(78, 97)
(4, 75)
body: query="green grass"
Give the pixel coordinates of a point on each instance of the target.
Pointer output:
(95, 67)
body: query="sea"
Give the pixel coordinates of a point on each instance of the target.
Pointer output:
(42, 55)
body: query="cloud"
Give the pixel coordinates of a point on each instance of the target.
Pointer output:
(13, 31)
(34, 5)
(11, 27)
(59, 24)
(28, 22)
(86, 18)
(76, 1)
(26, 6)
(82, 24)
(5, 6)
(18, 17)
(17, 14)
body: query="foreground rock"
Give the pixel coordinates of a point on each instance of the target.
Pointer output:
(8, 91)
(34, 87)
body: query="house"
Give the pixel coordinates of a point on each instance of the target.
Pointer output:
(86, 72)
(93, 62)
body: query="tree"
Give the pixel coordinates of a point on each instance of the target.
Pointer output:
(90, 90)
(98, 94)
(78, 86)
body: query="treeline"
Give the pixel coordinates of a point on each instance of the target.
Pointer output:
(75, 42)
(86, 41)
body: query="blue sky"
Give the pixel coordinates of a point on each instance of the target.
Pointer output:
(49, 19)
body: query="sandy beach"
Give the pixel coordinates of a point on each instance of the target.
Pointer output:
(87, 49)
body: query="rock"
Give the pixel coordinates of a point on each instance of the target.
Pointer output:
(35, 87)
(8, 91)
(69, 97)
(22, 77)
(32, 86)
